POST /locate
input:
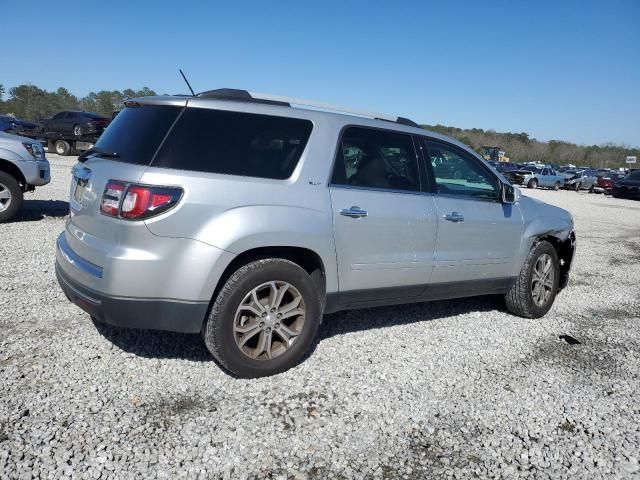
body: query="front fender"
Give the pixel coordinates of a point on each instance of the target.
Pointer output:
(541, 220)
(12, 156)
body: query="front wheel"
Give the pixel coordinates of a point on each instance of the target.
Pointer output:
(265, 318)
(10, 197)
(533, 183)
(577, 187)
(556, 186)
(535, 289)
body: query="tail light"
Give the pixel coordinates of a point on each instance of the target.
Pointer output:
(137, 202)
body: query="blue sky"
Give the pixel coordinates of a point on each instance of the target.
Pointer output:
(555, 69)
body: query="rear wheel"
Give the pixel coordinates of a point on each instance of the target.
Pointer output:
(533, 183)
(10, 197)
(535, 289)
(265, 318)
(62, 147)
(592, 189)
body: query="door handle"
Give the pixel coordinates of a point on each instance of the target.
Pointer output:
(454, 217)
(354, 212)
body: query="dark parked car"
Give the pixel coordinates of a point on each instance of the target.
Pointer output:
(9, 124)
(628, 187)
(506, 166)
(75, 123)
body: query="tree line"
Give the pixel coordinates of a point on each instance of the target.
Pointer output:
(29, 102)
(521, 148)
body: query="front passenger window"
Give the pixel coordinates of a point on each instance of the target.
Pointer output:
(376, 159)
(456, 173)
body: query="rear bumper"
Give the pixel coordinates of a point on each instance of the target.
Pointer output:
(149, 314)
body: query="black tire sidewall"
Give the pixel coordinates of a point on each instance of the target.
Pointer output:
(218, 332)
(16, 197)
(541, 249)
(66, 150)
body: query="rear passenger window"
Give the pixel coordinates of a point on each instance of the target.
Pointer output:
(376, 159)
(234, 143)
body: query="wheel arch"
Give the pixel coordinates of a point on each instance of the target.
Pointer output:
(306, 258)
(565, 249)
(13, 170)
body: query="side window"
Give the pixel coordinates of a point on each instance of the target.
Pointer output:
(545, 171)
(60, 115)
(376, 159)
(234, 143)
(457, 173)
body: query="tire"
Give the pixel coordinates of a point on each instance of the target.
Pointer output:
(77, 131)
(220, 331)
(577, 187)
(520, 297)
(556, 186)
(62, 147)
(592, 189)
(533, 183)
(10, 197)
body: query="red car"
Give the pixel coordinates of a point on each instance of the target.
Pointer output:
(605, 184)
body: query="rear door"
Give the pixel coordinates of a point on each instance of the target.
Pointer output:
(478, 235)
(384, 226)
(545, 178)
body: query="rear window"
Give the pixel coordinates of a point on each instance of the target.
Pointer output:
(135, 134)
(234, 143)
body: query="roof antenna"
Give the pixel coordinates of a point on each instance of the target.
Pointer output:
(187, 82)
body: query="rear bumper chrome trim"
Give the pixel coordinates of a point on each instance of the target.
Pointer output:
(76, 260)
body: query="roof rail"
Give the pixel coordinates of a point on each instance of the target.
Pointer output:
(253, 97)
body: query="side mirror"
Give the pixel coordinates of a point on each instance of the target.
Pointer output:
(510, 194)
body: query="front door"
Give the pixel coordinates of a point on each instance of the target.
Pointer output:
(385, 228)
(478, 235)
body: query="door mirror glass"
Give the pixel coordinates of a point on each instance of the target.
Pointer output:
(510, 194)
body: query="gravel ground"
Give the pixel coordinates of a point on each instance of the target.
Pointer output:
(446, 389)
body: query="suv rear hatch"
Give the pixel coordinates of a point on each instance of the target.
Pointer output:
(122, 153)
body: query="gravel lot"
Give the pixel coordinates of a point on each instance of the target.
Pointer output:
(446, 389)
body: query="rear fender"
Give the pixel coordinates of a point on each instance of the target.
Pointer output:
(249, 227)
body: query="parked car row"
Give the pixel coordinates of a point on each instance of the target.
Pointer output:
(581, 178)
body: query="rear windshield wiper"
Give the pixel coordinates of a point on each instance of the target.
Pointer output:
(98, 152)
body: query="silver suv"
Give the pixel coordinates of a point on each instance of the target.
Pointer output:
(247, 217)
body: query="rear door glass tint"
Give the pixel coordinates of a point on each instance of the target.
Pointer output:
(136, 133)
(235, 143)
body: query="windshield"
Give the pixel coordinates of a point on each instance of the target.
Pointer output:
(531, 169)
(633, 176)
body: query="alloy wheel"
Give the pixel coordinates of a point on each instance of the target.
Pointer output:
(542, 280)
(5, 197)
(269, 320)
